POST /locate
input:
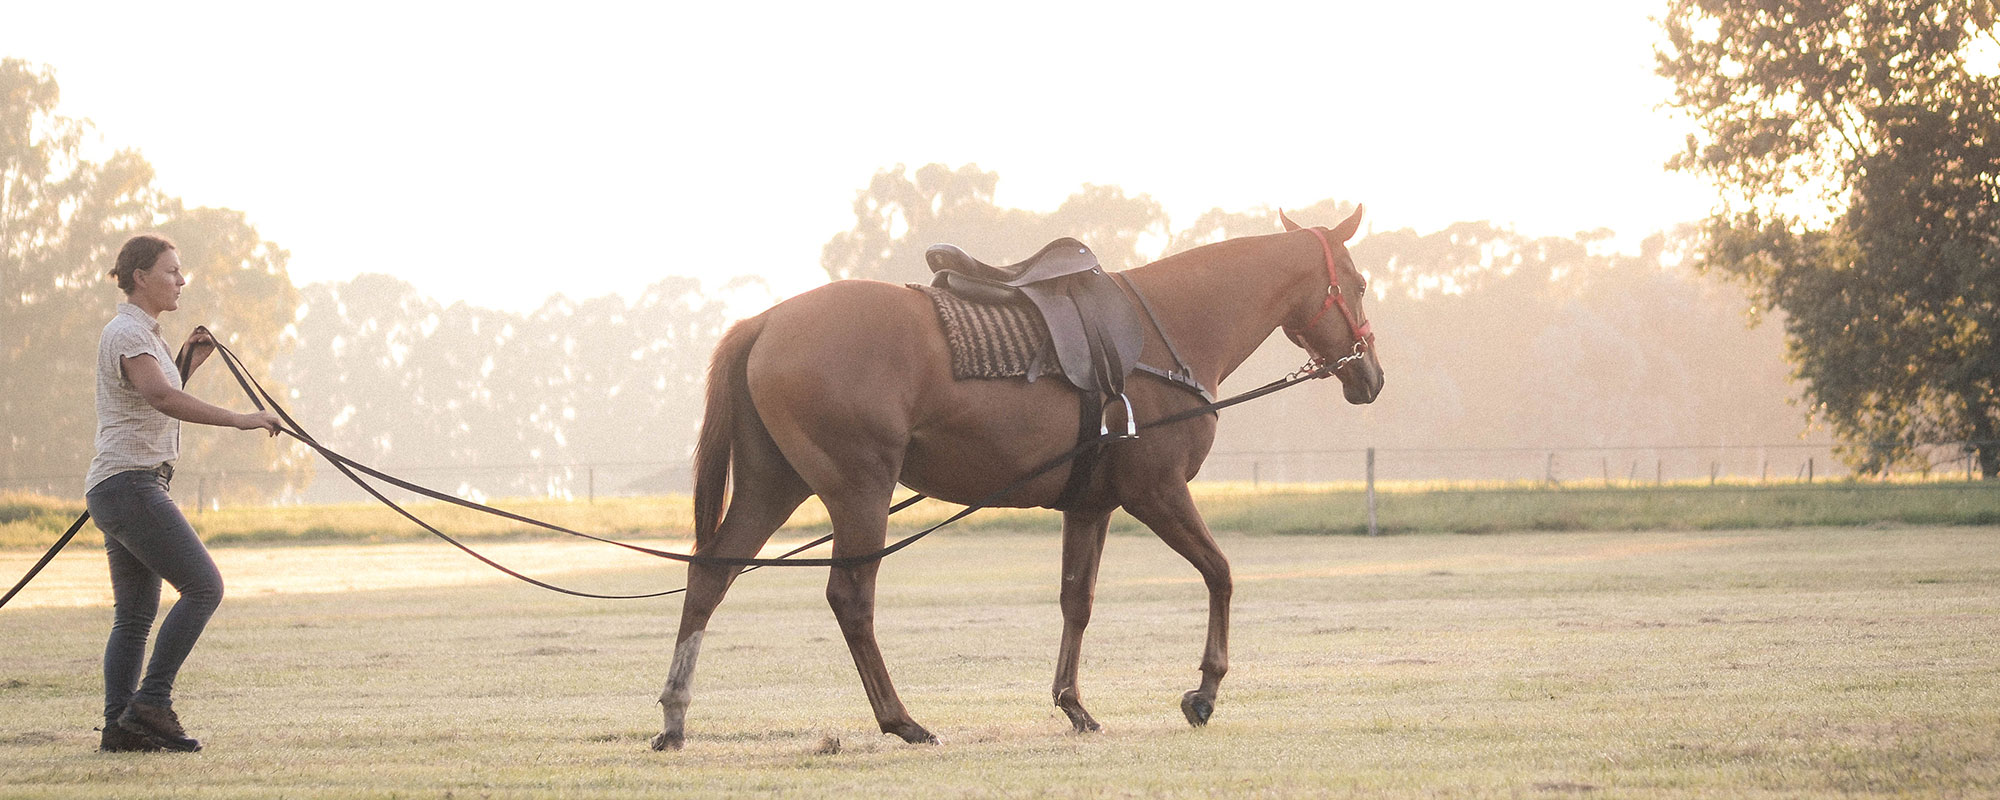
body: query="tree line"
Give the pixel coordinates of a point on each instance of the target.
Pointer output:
(368, 365)
(1489, 338)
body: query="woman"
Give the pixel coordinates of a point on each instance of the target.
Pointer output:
(140, 406)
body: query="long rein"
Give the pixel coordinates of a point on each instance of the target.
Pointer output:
(262, 399)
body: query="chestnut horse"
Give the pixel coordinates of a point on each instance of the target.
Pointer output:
(846, 391)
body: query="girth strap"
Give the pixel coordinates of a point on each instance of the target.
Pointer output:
(1089, 426)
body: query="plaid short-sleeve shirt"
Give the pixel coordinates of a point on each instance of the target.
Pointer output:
(131, 434)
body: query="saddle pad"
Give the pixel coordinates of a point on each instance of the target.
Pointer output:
(992, 340)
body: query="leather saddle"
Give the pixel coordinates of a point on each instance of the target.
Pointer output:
(1096, 333)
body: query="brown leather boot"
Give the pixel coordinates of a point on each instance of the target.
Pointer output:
(160, 724)
(119, 740)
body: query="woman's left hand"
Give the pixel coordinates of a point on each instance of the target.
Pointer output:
(199, 346)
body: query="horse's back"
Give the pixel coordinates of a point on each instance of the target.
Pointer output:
(863, 328)
(855, 369)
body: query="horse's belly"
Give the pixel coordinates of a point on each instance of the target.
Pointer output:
(981, 436)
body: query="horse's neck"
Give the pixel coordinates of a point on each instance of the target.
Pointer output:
(1221, 301)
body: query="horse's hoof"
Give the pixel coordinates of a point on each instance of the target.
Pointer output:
(1081, 721)
(664, 741)
(1078, 718)
(914, 734)
(1196, 708)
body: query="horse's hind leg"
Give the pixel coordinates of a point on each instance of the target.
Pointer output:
(766, 494)
(860, 522)
(1171, 514)
(1083, 550)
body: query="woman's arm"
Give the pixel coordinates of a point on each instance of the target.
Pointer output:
(145, 374)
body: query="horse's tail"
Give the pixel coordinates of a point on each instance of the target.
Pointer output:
(726, 385)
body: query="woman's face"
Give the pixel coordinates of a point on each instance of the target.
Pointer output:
(158, 288)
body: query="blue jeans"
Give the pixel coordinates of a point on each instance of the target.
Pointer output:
(146, 538)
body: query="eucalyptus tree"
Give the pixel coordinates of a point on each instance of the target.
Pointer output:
(1855, 149)
(63, 217)
(902, 213)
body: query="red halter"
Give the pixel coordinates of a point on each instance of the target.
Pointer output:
(1364, 336)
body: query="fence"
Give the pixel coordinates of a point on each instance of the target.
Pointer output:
(1445, 467)
(1432, 467)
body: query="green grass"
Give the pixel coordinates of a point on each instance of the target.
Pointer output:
(31, 522)
(1420, 509)
(1730, 664)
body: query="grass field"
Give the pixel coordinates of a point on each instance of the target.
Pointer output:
(1853, 661)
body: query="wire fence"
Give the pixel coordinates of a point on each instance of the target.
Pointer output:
(1557, 467)
(1435, 468)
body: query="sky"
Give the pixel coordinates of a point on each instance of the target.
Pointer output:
(501, 153)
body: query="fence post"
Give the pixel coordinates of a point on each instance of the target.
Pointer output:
(1373, 529)
(1809, 469)
(200, 495)
(1550, 476)
(593, 485)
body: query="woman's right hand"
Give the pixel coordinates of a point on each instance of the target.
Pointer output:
(260, 419)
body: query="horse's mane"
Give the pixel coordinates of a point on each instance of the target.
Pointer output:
(1225, 250)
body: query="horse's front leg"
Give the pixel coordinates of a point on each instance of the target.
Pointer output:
(1083, 551)
(1171, 514)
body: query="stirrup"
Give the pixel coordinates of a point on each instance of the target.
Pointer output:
(1131, 428)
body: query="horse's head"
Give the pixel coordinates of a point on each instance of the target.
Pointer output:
(1333, 325)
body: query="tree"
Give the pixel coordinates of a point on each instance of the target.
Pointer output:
(62, 219)
(1855, 148)
(897, 217)
(496, 403)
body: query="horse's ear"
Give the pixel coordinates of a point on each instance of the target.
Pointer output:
(1289, 224)
(1345, 230)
